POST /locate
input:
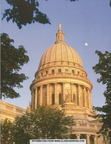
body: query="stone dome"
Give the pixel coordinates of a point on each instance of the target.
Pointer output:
(60, 52)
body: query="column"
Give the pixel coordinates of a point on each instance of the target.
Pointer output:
(87, 98)
(63, 92)
(35, 97)
(78, 136)
(90, 99)
(33, 101)
(84, 97)
(89, 102)
(78, 95)
(71, 98)
(40, 95)
(88, 139)
(48, 95)
(55, 93)
(95, 139)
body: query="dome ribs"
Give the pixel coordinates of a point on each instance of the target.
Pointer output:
(60, 52)
(72, 53)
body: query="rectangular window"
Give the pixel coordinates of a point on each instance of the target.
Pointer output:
(46, 72)
(73, 71)
(52, 70)
(59, 70)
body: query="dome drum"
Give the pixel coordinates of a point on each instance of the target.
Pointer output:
(60, 92)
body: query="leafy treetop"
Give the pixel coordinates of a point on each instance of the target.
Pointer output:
(23, 12)
(104, 69)
(46, 122)
(12, 61)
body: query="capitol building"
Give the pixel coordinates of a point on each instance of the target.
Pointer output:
(62, 81)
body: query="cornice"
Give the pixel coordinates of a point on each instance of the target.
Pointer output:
(62, 76)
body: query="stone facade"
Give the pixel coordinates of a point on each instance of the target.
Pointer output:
(62, 81)
(9, 111)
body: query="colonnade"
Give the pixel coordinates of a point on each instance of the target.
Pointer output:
(90, 139)
(59, 93)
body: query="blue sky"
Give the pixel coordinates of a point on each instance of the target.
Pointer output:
(84, 21)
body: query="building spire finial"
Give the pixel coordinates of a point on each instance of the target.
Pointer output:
(59, 35)
(60, 27)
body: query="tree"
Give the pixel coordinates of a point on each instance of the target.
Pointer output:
(23, 12)
(45, 122)
(12, 60)
(104, 69)
(7, 132)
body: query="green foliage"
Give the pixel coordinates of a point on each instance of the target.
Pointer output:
(24, 12)
(43, 123)
(104, 69)
(12, 60)
(7, 132)
(73, 0)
